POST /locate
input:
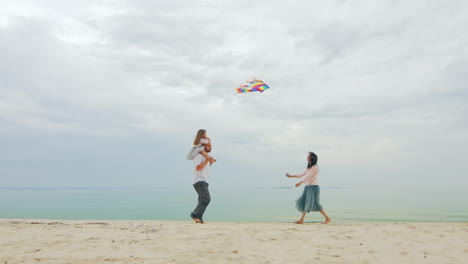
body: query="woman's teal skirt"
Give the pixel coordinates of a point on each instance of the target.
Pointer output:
(309, 200)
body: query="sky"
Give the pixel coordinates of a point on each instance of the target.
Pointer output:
(112, 93)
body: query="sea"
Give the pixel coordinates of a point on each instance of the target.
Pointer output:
(247, 204)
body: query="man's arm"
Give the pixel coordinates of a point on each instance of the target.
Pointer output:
(202, 165)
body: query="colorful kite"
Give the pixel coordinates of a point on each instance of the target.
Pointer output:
(254, 85)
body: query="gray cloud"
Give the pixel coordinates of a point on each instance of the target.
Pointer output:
(363, 80)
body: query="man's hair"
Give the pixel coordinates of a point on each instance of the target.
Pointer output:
(313, 160)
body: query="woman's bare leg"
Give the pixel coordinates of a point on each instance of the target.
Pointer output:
(301, 221)
(327, 219)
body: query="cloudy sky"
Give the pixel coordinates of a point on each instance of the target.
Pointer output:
(111, 93)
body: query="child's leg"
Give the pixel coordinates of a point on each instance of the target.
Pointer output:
(204, 154)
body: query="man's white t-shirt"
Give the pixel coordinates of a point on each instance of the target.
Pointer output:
(203, 174)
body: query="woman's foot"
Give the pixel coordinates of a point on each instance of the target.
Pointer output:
(299, 222)
(328, 220)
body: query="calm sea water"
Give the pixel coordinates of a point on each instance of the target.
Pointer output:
(255, 204)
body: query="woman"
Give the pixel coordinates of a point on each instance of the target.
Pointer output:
(310, 198)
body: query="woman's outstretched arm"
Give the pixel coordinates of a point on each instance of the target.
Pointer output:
(296, 176)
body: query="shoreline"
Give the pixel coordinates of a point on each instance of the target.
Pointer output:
(342, 222)
(151, 241)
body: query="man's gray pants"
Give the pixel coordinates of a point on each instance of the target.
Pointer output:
(204, 199)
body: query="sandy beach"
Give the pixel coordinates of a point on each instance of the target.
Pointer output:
(73, 241)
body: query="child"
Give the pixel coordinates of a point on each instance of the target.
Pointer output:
(198, 145)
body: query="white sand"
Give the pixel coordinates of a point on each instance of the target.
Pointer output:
(50, 241)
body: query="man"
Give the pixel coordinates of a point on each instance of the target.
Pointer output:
(200, 183)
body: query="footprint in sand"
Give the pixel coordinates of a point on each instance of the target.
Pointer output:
(34, 251)
(98, 223)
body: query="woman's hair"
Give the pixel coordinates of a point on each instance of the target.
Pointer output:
(313, 160)
(199, 135)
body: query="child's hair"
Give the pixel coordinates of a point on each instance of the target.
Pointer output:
(200, 134)
(313, 160)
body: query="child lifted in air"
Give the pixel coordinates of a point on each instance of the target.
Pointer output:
(199, 145)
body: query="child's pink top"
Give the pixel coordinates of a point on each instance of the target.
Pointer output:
(310, 176)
